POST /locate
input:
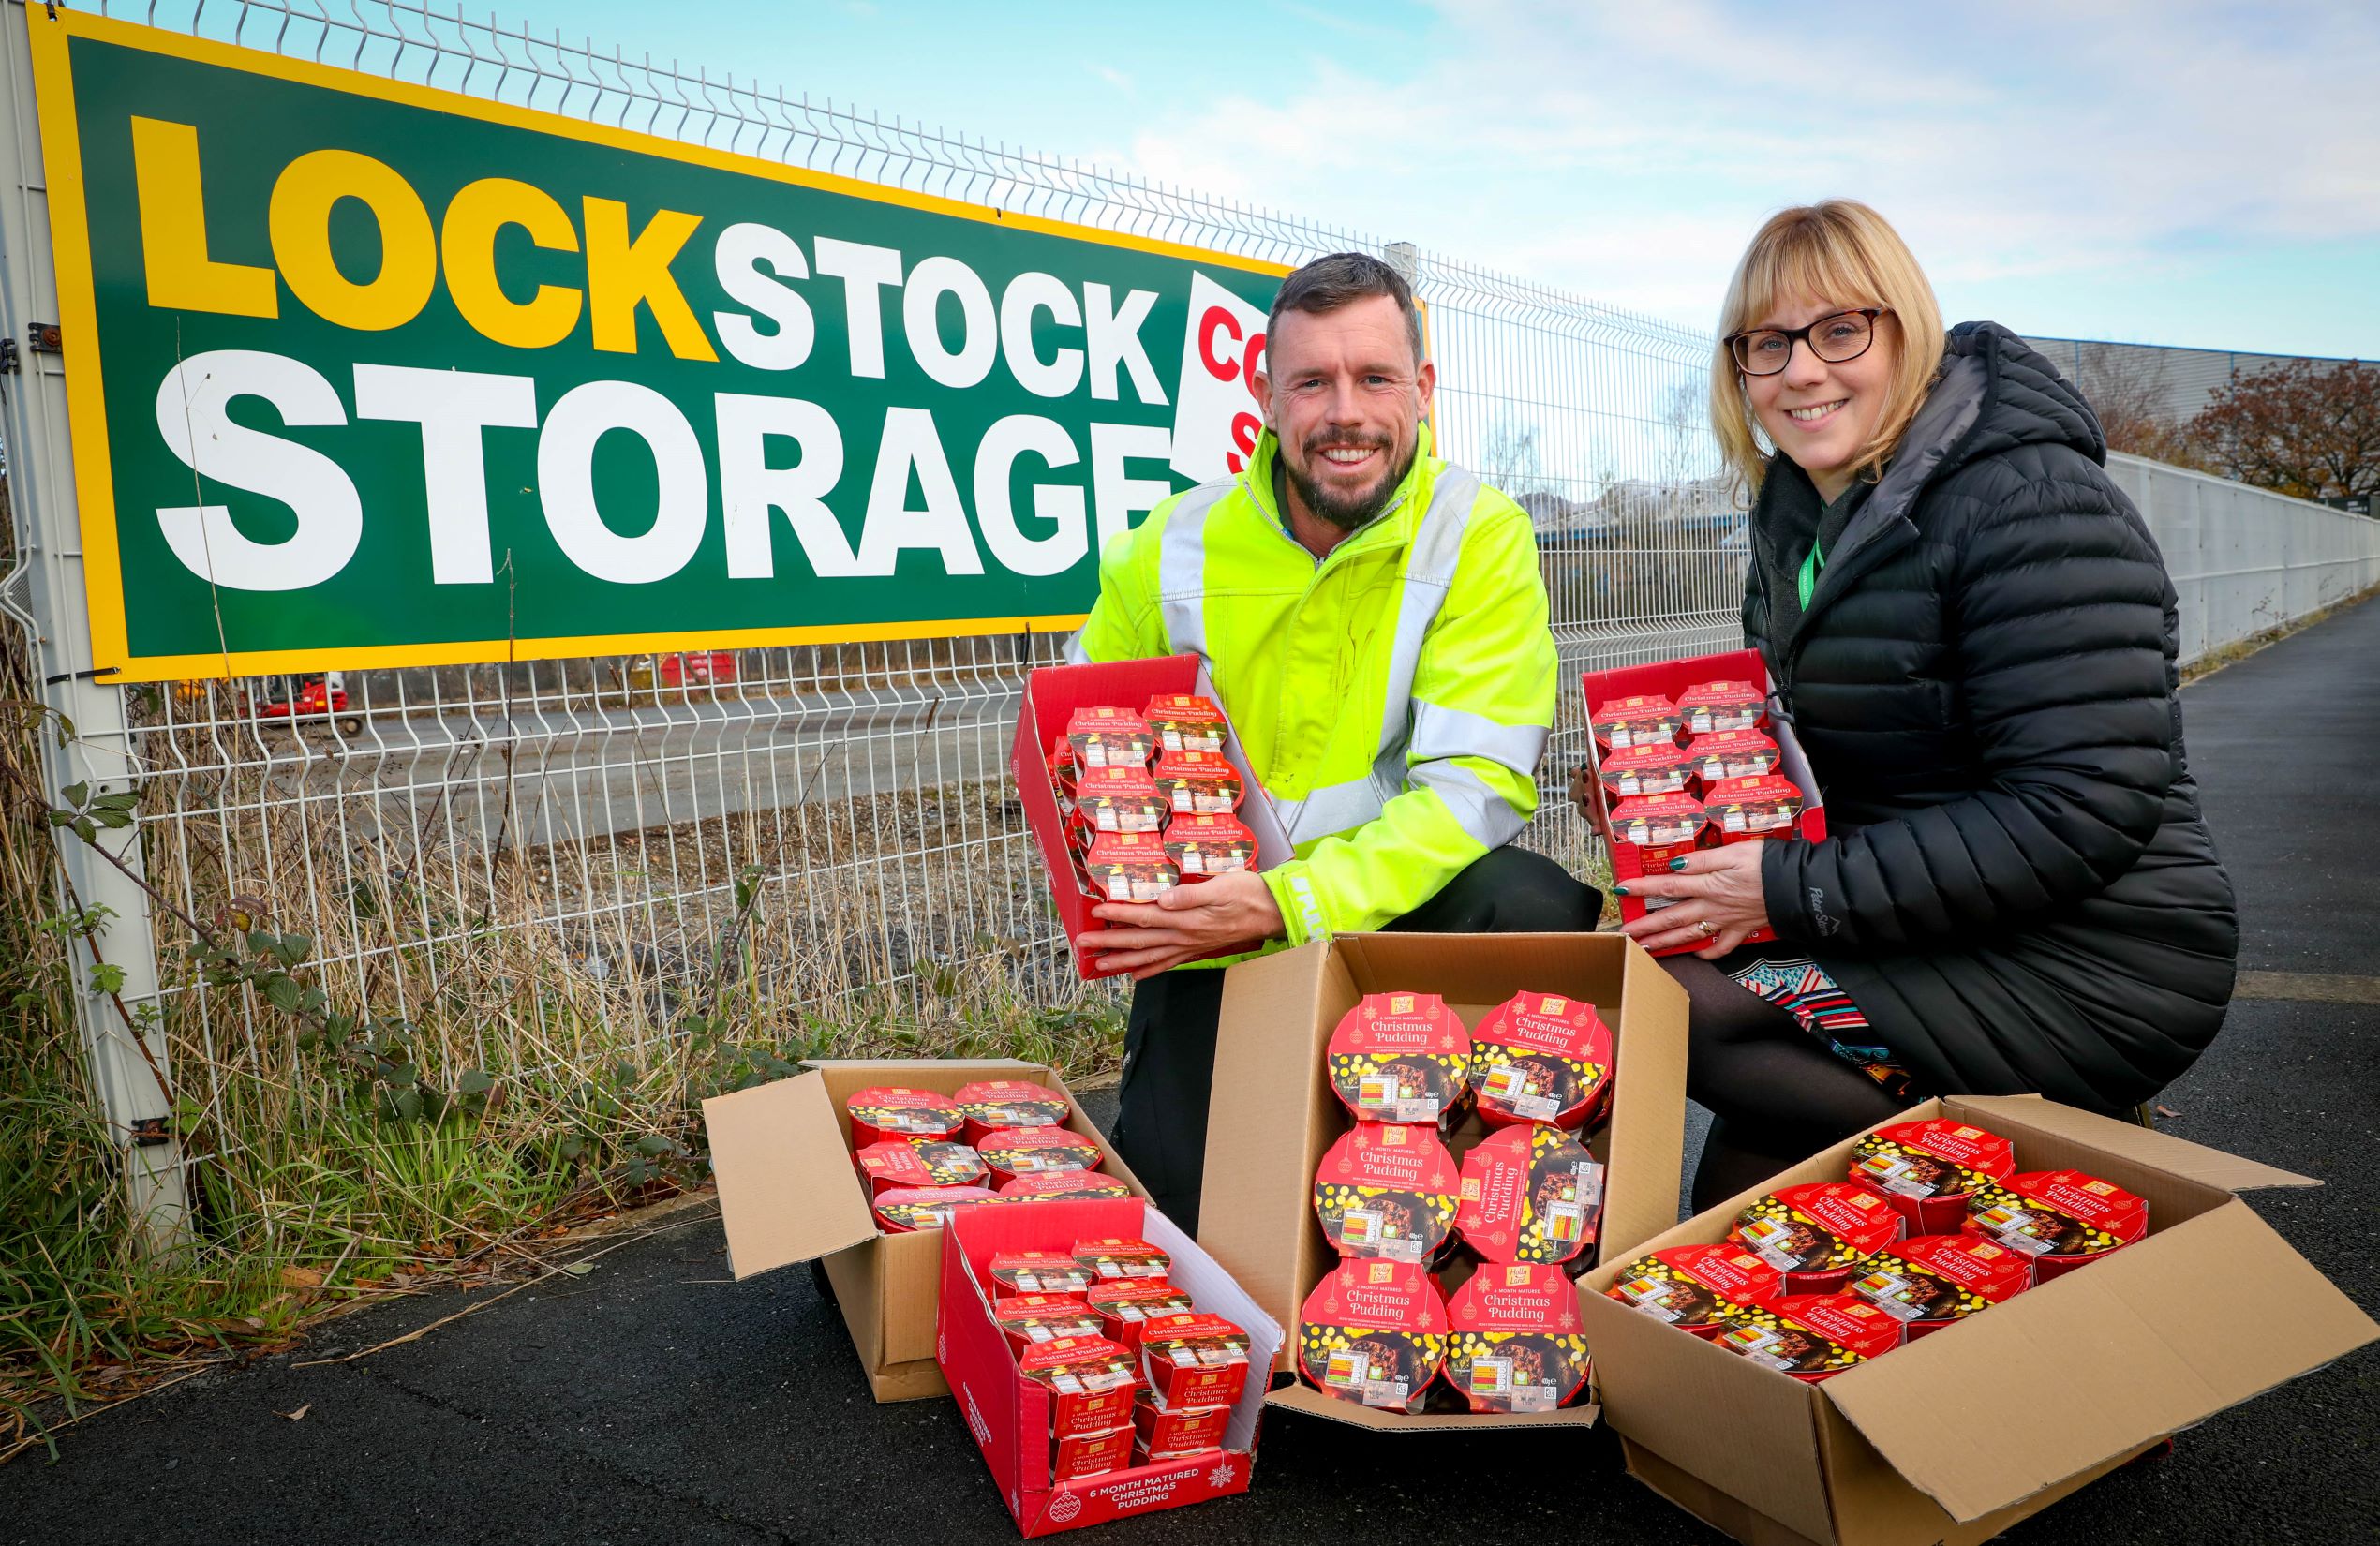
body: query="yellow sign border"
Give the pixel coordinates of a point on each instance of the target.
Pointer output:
(86, 417)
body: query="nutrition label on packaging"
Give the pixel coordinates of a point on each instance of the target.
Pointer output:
(2014, 1227)
(1891, 1172)
(1376, 1093)
(1889, 1292)
(1764, 1236)
(1650, 1295)
(1756, 1343)
(1350, 1370)
(1507, 1085)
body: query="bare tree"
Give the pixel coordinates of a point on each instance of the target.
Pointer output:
(2128, 390)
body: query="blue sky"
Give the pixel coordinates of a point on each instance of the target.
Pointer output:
(2168, 173)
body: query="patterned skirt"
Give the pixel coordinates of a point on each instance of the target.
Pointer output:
(1802, 990)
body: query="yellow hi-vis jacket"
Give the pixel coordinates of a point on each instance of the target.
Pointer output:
(1392, 699)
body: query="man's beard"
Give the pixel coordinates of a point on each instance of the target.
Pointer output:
(1347, 512)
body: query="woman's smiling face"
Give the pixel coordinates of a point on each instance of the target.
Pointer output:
(1818, 414)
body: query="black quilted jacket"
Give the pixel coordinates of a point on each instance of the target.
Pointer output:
(2018, 890)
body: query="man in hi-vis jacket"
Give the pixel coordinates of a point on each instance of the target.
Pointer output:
(1374, 624)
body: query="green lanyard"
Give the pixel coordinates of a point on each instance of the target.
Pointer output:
(1811, 566)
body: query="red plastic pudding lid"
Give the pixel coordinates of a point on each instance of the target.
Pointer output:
(1012, 1102)
(1931, 1159)
(1514, 1342)
(1040, 1318)
(1065, 1184)
(1530, 1193)
(1107, 736)
(1939, 1277)
(1651, 820)
(1540, 1057)
(1386, 1189)
(911, 1162)
(1039, 1272)
(1766, 803)
(1019, 1149)
(1199, 782)
(1122, 1257)
(1136, 1299)
(927, 1207)
(1815, 1228)
(1623, 722)
(1077, 1363)
(2057, 1212)
(1400, 1057)
(1373, 1332)
(1687, 1285)
(1809, 1333)
(897, 1108)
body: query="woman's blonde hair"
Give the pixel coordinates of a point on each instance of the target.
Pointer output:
(1843, 252)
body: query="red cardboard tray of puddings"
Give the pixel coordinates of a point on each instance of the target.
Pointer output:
(1123, 1259)
(2062, 1219)
(1386, 1189)
(1184, 721)
(1199, 783)
(1733, 754)
(1688, 1286)
(1542, 1057)
(1090, 1383)
(1747, 809)
(1193, 1360)
(1103, 736)
(1721, 707)
(915, 1207)
(1926, 1170)
(1655, 767)
(1530, 1193)
(1069, 1184)
(1928, 1281)
(1015, 1151)
(1512, 1340)
(893, 1111)
(1200, 846)
(1632, 720)
(1016, 1273)
(1815, 1232)
(898, 1163)
(1130, 867)
(1027, 1318)
(991, 1105)
(1809, 1336)
(1373, 1332)
(1127, 1304)
(1400, 1057)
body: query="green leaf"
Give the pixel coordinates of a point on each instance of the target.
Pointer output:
(281, 993)
(404, 1073)
(84, 829)
(408, 1105)
(294, 948)
(61, 818)
(652, 1143)
(572, 1148)
(475, 1081)
(125, 801)
(259, 942)
(106, 977)
(76, 794)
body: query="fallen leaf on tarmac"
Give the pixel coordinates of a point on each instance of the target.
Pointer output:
(2168, 1111)
(299, 1416)
(579, 1269)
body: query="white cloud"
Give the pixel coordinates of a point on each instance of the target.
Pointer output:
(1627, 150)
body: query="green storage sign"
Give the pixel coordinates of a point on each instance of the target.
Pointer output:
(363, 373)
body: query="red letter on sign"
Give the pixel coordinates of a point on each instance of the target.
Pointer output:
(1218, 367)
(1243, 434)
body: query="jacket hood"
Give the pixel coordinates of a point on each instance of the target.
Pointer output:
(1993, 393)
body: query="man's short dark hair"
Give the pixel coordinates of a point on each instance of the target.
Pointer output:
(1330, 282)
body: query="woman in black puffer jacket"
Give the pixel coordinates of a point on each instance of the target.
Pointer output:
(1974, 636)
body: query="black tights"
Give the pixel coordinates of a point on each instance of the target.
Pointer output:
(1777, 1095)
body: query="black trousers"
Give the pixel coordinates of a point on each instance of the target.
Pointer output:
(1168, 1044)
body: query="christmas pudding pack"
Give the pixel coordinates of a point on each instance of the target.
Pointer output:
(1118, 799)
(1125, 1305)
(1163, 1434)
(1619, 723)
(1530, 1193)
(1733, 754)
(1512, 1340)
(1690, 1286)
(1064, 1184)
(1721, 707)
(1198, 783)
(1015, 1273)
(991, 1105)
(891, 1112)
(1809, 1336)
(1932, 1281)
(1814, 1233)
(1659, 824)
(2062, 1219)
(1542, 1057)
(1184, 721)
(1130, 867)
(1080, 1456)
(1928, 1169)
(1200, 846)
(898, 1163)
(1193, 1360)
(1115, 1257)
(1655, 767)
(1373, 1332)
(1401, 1058)
(1036, 1151)
(1741, 810)
(1028, 1318)
(1109, 738)
(913, 1207)
(1386, 1189)
(1090, 1383)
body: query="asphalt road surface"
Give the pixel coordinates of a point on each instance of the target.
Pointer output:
(652, 1401)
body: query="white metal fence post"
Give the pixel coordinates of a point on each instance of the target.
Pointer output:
(128, 1067)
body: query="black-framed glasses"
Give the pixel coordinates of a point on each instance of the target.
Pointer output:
(1836, 337)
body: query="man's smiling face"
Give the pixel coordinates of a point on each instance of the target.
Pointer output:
(1346, 396)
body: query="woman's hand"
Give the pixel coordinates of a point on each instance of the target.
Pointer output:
(1184, 924)
(1720, 886)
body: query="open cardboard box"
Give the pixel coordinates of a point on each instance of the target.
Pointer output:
(1954, 1438)
(1275, 1114)
(1009, 1414)
(789, 1191)
(1051, 696)
(1669, 678)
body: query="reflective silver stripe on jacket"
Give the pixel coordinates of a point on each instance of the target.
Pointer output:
(1429, 573)
(1182, 568)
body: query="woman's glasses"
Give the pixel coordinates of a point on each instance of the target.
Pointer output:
(1843, 336)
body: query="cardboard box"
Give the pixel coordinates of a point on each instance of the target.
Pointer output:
(788, 1192)
(1051, 696)
(1670, 678)
(2059, 1385)
(1275, 1114)
(1009, 1414)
